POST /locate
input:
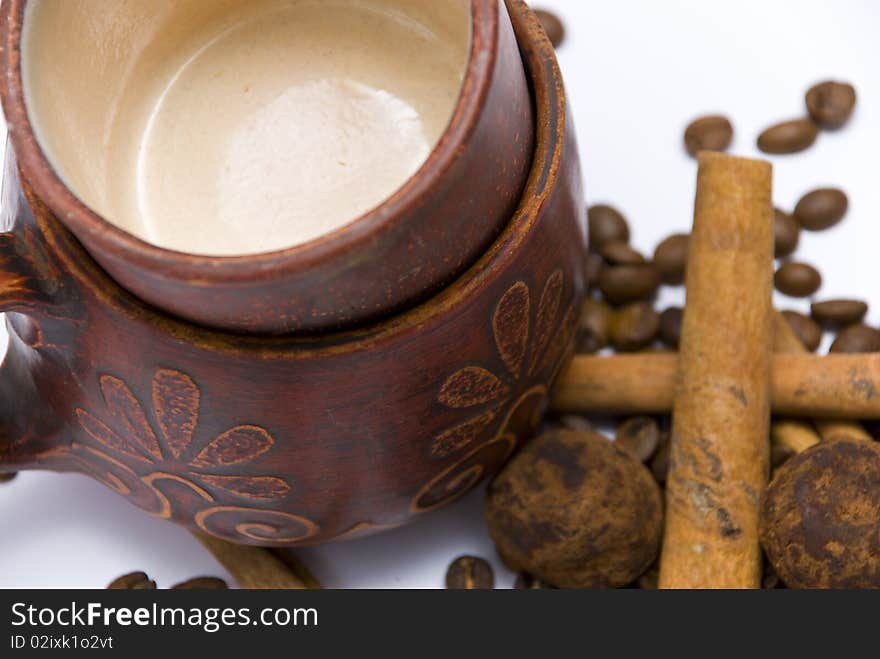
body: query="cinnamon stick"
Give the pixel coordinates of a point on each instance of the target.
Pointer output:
(721, 410)
(253, 568)
(785, 340)
(839, 386)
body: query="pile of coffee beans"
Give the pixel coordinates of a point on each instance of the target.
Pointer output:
(829, 105)
(554, 476)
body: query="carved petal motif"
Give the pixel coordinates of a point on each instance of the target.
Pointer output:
(266, 488)
(176, 404)
(511, 326)
(548, 309)
(458, 478)
(127, 411)
(236, 445)
(458, 437)
(471, 386)
(98, 431)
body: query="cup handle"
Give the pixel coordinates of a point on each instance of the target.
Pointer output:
(28, 426)
(16, 293)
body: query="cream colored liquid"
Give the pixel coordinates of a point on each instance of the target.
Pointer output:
(271, 124)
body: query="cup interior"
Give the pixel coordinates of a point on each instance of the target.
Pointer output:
(236, 127)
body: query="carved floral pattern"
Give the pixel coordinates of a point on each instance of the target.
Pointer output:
(504, 399)
(143, 452)
(169, 452)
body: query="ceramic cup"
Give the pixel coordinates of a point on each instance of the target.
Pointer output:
(81, 62)
(286, 440)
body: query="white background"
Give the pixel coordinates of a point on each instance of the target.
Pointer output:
(636, 72)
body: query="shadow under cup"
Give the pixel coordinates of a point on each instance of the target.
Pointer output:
(273, 166)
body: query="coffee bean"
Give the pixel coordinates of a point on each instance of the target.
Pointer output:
(470, 573)
(525, 581)
(797, 279)
(5, 478)
(592, 267)
(786, 233)
(831, 103)
(606, 224)
(639, 435)
(821, 209)
(807, 330)
(857, 338)
(201, 583)
(618, 252)
(132, 581)
(635, 326)
(839, 313)
(670, 326)
(552, 25)
(660, 463)
(709, 133)
(788, 136)
(595, 326)
(670, 258)
(628, 283)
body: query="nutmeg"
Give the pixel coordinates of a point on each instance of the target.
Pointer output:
(821, 515)
(576, 511)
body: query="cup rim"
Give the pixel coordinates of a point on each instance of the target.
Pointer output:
(46, 182)
(552, 124)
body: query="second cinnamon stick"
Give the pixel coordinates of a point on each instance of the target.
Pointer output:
(837, 386)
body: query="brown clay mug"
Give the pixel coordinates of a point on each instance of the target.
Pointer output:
(289, 440)
(86, 57)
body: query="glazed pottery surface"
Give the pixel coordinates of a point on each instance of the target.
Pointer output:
(386, 261)
(292, 440)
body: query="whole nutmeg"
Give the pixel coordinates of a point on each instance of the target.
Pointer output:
(576, 511)
(821, 516)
